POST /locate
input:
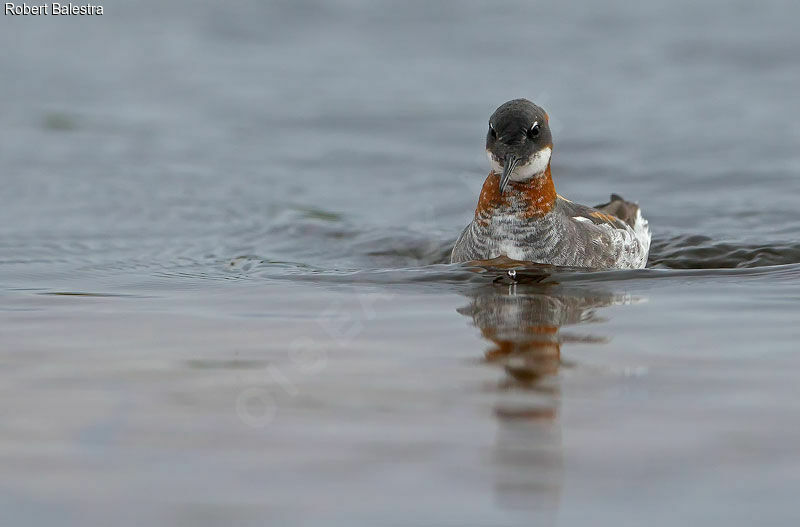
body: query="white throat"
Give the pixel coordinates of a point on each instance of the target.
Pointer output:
(535, 166)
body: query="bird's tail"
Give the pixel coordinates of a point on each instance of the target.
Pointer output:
(624, 210)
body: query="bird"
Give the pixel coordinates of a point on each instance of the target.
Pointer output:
(521, 217)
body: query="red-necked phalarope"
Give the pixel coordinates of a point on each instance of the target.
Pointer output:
(520, 216)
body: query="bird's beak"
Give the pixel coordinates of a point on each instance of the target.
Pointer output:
(508, 168)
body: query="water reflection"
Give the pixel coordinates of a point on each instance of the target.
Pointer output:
(523, 323)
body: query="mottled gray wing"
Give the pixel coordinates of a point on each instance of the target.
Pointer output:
(603, 214)
(463, 248)
(606, 240)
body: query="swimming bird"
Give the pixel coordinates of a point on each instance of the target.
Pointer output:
(520, 216)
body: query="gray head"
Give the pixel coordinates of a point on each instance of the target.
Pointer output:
(519, 143)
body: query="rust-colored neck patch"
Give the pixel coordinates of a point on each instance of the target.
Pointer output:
(538, 195)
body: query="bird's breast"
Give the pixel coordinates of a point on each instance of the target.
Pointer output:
(531, 199)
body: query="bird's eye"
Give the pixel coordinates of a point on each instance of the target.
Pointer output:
(533, 131)
(492, 131)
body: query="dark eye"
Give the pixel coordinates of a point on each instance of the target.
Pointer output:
(533, 132)
(492, 131)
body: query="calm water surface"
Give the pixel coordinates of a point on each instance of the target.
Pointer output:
(224, 290)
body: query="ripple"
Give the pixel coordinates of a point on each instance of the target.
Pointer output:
(91, 294)
(313, 245)
(701, 252)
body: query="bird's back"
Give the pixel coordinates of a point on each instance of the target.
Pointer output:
(610, 236)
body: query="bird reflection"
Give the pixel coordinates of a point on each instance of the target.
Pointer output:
(523, 324)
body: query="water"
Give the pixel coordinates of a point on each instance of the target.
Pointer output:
(223, 280)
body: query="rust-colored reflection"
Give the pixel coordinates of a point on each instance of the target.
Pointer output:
(523, 326)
